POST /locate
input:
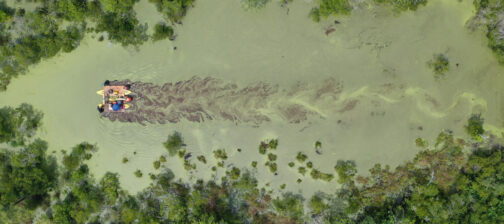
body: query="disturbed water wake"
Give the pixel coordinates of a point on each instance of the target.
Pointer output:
(199, 99)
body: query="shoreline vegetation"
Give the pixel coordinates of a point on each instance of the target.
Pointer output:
(27, 37)
(451, 181)
(54, 27)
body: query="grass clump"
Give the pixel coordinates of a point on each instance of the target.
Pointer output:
(262, 149)
(273, 167)
(403, 5)
(254, 4)
(174, 143)
(157, 164)
(346, 171)
(316, 174)
(182, 153)
(318, 204)
(440, 65)
(420, 142)
(474, 127)
(302, 170)
(273, 143)
(138, 173)
(265, 145)
(301, 157)
(234, 174)
(220, 154)
(202, 159)
(189, 166)
(272, 157)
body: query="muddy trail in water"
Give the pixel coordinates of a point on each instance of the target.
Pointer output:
(199, 99)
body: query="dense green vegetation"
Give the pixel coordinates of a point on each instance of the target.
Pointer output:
(254, 4)
(489, 14)
(475, 127)
(173, 10)
(447, 182)
(27, 37)
(439, 65)
(403, 5)
(174, 143)
(327, 8)
(16, 124)
(162, 31)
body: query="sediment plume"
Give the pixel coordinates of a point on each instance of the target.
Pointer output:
(202, 99)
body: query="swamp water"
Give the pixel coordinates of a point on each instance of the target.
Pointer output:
(383, 97)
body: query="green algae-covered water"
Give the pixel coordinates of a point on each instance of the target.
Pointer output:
(387, 96)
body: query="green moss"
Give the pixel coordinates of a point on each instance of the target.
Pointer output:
(291, 164)
(440, 65)
(138, 173)
(301, 157)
